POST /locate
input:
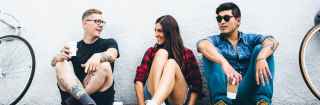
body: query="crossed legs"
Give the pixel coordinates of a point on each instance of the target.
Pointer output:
(100, 80)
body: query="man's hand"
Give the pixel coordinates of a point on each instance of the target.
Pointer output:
(63, 55)
(233, 75)
(92, 63)
(262, 72)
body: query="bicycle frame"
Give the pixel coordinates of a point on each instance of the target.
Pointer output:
(17, 28)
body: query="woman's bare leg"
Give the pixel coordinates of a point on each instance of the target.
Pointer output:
(172, 84)
(156, 70)
(180, 89)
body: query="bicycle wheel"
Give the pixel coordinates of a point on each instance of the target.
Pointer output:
(17, 67)
(309, 60)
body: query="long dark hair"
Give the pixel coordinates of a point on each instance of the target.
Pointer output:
(173, 41)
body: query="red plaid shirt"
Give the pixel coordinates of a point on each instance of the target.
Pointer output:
(191, 72)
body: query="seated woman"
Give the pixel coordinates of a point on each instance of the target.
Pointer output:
(169, 72)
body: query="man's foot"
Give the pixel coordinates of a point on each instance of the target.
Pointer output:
(262, 102)
(85, 99)
(221, 102)
(71, 101)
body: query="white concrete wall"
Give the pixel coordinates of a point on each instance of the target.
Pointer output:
(50, 23)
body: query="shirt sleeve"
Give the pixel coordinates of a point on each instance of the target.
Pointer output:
(211, 39)
(193, 76)
(143, 68)
(112, 43)
(256, 39)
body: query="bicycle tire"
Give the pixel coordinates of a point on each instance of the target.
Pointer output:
(29, 81)
(310, 34)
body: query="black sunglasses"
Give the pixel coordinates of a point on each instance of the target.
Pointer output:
(97, 21)
(225, 18)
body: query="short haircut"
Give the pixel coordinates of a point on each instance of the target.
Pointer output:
(90, 12)
(317, 18)
(229, 6)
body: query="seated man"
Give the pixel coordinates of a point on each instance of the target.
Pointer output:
(244, 59)
(91, 81)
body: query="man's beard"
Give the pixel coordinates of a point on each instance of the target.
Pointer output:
(225, 35)
(228, 34)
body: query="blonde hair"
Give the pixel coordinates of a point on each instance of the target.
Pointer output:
(90, 12)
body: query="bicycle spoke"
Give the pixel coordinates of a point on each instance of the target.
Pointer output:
(16, 68)
(309, 60)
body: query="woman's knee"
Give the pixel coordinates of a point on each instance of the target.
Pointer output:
(172, 67)
(172, 62)
(163, 53)
(159, 62)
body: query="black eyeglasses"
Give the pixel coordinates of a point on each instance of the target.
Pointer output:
(97, 21)
(225, 18)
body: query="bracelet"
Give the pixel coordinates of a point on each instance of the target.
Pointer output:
(273, 46)
(259, 59)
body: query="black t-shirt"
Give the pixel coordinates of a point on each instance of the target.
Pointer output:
(84, 52)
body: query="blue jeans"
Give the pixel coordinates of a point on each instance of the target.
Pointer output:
(248, 91)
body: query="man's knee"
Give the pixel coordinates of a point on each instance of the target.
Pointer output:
(105, 67)
(257, 48)
(59, 65)
(60, 84)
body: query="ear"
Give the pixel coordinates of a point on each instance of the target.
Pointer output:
(84, 22)
(238, 19)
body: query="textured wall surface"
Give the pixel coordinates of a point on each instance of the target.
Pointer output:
(50, 23)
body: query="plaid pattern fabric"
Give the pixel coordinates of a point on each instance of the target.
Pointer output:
(191, 71)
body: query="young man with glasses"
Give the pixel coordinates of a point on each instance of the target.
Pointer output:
(89, 80)
(238, 58)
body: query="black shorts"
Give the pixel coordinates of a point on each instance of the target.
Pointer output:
(101, 98)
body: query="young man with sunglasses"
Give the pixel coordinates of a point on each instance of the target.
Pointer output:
(239, 58)
(90, 82)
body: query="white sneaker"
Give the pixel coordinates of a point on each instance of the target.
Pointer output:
(150, 102)
(163, 103)
(118, 103)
